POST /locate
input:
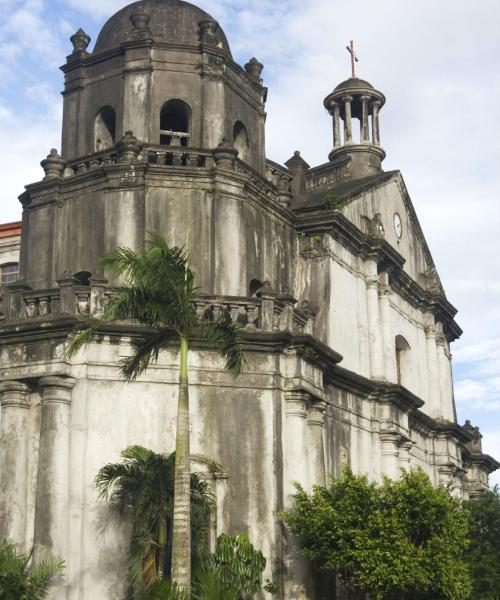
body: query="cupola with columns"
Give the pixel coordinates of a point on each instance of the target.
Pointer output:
(356, 99)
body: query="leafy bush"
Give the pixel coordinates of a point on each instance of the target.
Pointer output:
(402, 540)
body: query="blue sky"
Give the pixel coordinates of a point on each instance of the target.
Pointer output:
(437, 63)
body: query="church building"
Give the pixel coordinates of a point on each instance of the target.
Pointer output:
(345, 324)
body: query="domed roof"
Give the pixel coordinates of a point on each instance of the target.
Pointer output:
(172, 21)
(354, 83)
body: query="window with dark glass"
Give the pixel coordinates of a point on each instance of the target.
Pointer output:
(9, 273)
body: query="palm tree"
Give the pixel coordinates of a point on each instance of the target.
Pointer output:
(159, 292)
(20, 582)
(143, 485)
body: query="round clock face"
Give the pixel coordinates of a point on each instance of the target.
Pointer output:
(398, 226)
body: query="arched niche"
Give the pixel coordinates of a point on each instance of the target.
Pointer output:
(175, 123)
(402, 360)
(254, 286)
(241, 141)
(104, 128)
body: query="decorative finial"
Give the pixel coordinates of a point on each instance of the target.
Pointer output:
(128, 147)
(208, 31)
(53, 165)
(80, 41)
(140, 18)
(254, 69)
(225, 154)
(354, 58)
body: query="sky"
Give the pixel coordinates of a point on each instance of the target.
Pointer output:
(438, 63)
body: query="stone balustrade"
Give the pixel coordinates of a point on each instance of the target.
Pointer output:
(91, 162)
(40, 304)
(177, 156)
(270, 312)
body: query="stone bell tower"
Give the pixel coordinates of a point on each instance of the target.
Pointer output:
(356, 99)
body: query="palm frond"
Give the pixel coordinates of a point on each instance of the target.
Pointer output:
(42, 578)
(82, 338)
(224, 336)
(145, 351)
(153, 306)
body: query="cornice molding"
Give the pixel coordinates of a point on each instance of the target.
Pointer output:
(387, 258)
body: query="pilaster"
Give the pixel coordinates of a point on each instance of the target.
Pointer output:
(14, 435)
(316, 444)
(433, 393)
(374, 329)
(388, 344)
(52, 497)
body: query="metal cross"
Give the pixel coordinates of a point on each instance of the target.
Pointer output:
(354, 58)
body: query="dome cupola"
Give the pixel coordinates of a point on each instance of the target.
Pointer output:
(356, 99)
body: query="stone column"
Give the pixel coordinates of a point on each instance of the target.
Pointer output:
(14, 436)
(388, 343)
(336, 125)
(52, 497)
(365, 130)
(444, 371)
(316, 445)
(390, 453)
(296, 469)
(433, 393)
(374, 330)
(347, 119)
(375, 123)
(296, 441)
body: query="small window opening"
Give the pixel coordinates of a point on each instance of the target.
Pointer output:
(105, 129)
(82, 277)
(9, 273)
(255, 286)
(402, 359)
(240, 140)
(175, 123)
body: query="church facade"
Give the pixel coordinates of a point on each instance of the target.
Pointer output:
(345, 324)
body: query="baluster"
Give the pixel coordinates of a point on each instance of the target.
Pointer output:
(252, 311)
(31, 308)
(54, 305)
(44, 306)
(83, 303)
(217, 311)
(234, 311)
(201, 309)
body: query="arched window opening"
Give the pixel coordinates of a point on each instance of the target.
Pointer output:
(402, 359)
(82, 277)
(104, 129)
(240, 140)
(9, 273)
(175, 123)
(254, 287)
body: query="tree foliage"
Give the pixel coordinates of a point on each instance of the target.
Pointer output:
(483, 554)
(235, 569)
(232, 572)
(158, 290)
(18, 581)
(142, 484)
(401, 540)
